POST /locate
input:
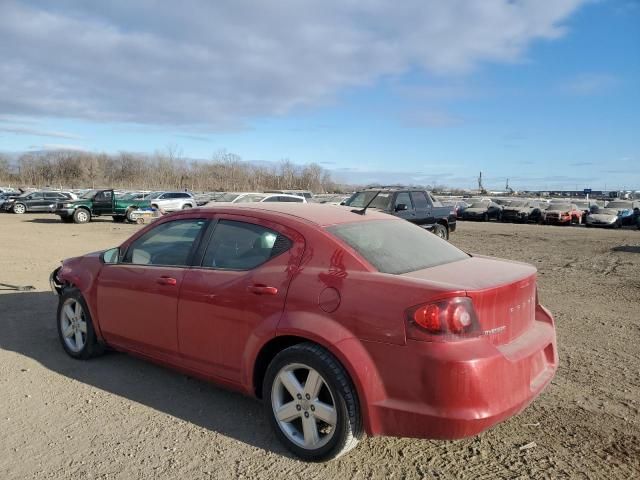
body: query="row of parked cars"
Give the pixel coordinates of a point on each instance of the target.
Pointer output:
(80, 206)
(613, 213)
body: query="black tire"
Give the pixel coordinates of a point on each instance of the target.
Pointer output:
(441, 231)
(187, 205)
(81, 215)
(128, 216)
(19, 208)
(91, 348)
(348, 429)
(119, 218)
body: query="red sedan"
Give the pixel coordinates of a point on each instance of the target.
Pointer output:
(343, 323)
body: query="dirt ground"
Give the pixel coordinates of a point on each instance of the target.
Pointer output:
(119, 417)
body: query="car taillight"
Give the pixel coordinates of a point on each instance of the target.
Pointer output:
(447, 320)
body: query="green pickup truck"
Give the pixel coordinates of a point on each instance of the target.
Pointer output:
(98, 202)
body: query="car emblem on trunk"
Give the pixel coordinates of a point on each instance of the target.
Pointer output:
(493, 331)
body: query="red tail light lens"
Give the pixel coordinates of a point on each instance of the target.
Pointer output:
(447, 320)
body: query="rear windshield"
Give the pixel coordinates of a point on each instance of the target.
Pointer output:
(394, 246)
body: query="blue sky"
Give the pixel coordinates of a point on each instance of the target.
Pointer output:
(543, 93)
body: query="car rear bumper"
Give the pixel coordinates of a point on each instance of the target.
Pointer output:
(457, 390)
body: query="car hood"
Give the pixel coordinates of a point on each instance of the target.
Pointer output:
(475, 210)
(603, 217)
(555, 210)
(518, 209)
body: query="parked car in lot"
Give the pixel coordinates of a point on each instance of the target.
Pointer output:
(171, 201)
(459, 206)
(95, 203)
(483, 210)
(562, 214)
(38, 201)
(342, 323)
(522, 211)
(266, 197)
(616, 214)
(416, 206)
(299, 193)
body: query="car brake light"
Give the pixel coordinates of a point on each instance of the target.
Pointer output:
(447, 320)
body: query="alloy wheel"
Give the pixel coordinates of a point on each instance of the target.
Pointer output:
(82, 216)
(19, 208)
(73, 325)
(303, 406)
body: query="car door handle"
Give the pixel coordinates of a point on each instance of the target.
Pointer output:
(262, 290)
(167, 281)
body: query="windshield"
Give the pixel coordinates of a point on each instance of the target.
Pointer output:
(153, 195)
(518, 204)
(251, 198)
(361, 199)
(621, 205)
(396, 246)
(559, 206)
(479, 205)
(89, 194)
(227, 197)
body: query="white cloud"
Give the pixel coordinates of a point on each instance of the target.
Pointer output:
(58, 147)
(36, 132)
(589, 84)
(219, 64)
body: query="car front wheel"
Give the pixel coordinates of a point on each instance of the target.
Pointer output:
(75, 326)
(311, 403)
(441, 231)
(19, 208)
(81, 215)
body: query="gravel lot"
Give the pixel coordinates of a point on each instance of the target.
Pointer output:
(119, 417)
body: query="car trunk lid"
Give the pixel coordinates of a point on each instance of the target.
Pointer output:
(503, 293)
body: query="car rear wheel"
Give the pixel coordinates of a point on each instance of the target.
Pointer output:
(441, 231)
(19, 208)
(75, 326)
(81, 215)
(311, 403)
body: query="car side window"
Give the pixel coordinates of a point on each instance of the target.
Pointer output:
(243, 246)
(169, 244)
(103, 197)
(420, 200)
(272, 199)
(403, 197)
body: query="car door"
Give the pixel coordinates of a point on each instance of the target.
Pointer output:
(103, 202)
(238, 291)
(423, 208)
(408, 213)
(137, 298)
(36, 202)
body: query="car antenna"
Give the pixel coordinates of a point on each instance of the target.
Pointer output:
(363, 210)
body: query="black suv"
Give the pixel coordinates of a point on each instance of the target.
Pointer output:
(41, 201)
(416, 206)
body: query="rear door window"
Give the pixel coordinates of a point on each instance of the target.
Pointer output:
(420, 200)
(243, 246)
(396, 246)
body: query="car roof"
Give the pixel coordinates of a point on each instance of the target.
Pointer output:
(318, 214)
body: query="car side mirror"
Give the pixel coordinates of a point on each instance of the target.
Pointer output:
(111, 256)
(401, 206)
